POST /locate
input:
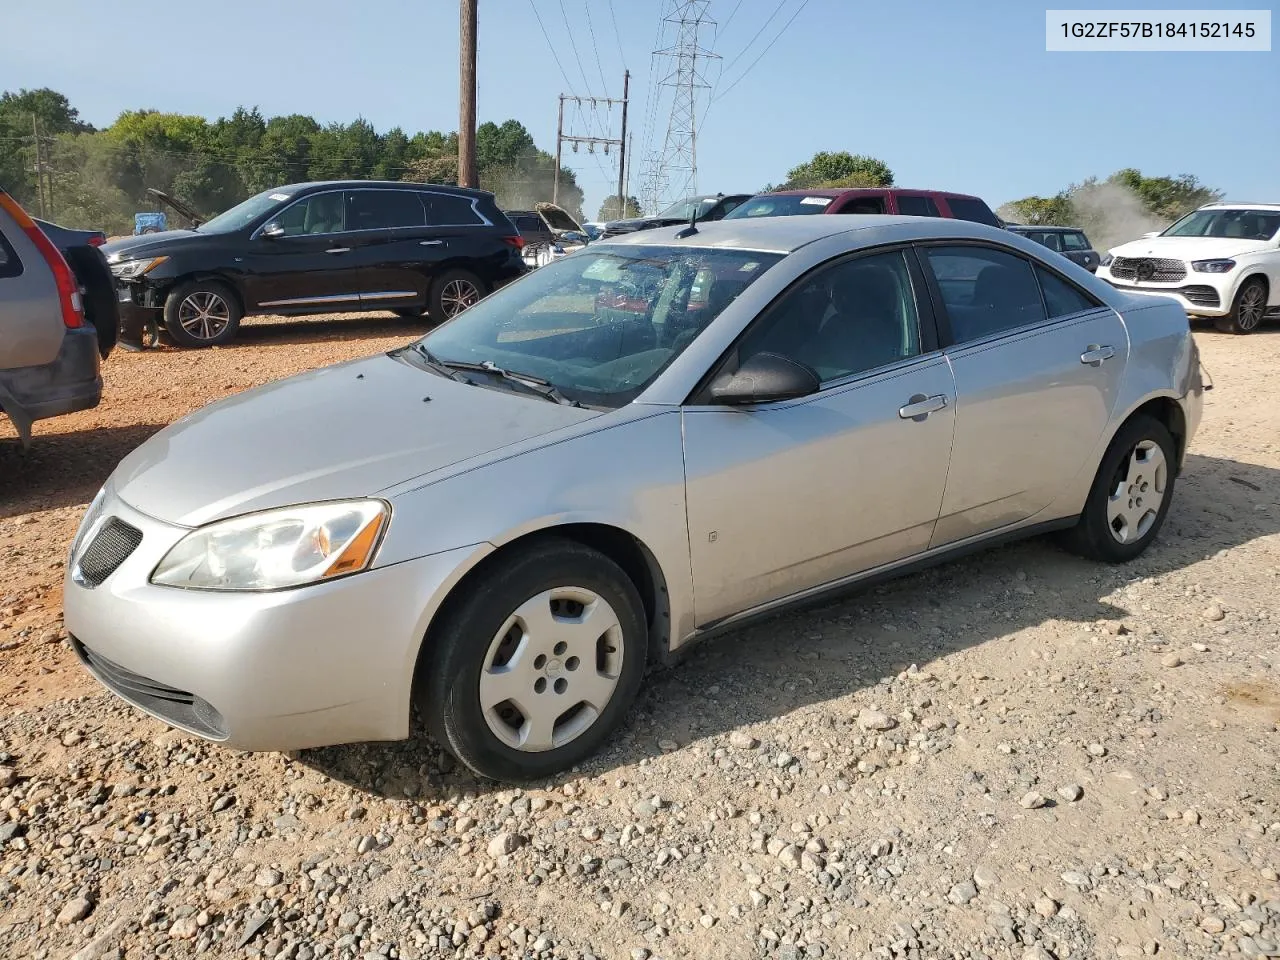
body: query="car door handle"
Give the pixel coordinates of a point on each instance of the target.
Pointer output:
(1096, 354)
(430, 243)
(338, 250)
(919, 407)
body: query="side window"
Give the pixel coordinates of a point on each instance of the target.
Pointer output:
(727, 207)
(843, 319)
(1048, 238)
(863, 205)
(986, 292)
(384, 210)
(10, 265)
(1074, 241)
(1062, 298)
(970, 208)
(913, 206)
(447, 210)
(320, 213)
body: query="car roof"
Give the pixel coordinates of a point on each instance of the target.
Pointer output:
(788, 234)
(854, 191)
(1233, 205)
(1047, 228)
(383, 185)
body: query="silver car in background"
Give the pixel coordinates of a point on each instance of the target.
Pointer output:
(627, 450)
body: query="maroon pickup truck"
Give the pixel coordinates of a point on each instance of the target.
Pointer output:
(898, 200)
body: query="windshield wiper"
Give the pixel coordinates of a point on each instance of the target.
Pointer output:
(439, 366)
(543, 388)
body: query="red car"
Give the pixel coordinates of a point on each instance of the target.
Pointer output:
(911, 203)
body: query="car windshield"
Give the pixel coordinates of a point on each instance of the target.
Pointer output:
(684, 209)
(243, 214)
(598, 325)
(779, 205)
(1239, 224)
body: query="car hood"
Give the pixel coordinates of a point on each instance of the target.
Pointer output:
(349, 430)
(636, 223)
(130, 248)
(1188, 248)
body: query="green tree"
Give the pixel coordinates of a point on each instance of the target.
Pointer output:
(19, 113)
(1167, 197)
(826, 168)
(609, 209)
(1038, 211)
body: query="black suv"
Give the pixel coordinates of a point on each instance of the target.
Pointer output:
(1068, 241)
(319, 248)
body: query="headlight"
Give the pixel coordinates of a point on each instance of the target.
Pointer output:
(1106, 260)
(288, 547)
(1212, 266)
(132, 269)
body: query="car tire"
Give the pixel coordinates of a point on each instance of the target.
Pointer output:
(1120, 519)
(202, 313)
(452, 292)
(1247, 309)
(524, 629)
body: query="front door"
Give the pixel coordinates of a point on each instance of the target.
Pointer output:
(1038, 364)
(786, 496)
(310, 268)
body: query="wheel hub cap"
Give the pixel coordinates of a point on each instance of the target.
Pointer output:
(552, 669)
(204, 315)
(1137, 493)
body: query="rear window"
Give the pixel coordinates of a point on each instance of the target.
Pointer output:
(863, 205)
(789, 205)
(10, 265)
(447, 210)
(970, 208)
(1074, 241)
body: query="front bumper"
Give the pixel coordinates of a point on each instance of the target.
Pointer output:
(287, 670)
(1200, 294)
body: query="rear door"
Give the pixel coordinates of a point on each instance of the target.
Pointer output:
(391, 242)
(916, 205)
(310, 268)
(31, 327)
(1038, 364)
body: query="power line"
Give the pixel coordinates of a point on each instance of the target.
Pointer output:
(595, 47)
(617, 35)
(551, 47)
(574, 47)
(800, 8)
(763, 27)
(729, 19)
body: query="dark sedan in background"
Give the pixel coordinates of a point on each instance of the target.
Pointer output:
(707, 207)
(311, 248)
(1068, 241)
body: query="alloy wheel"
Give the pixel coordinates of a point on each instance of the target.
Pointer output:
(204, 314)
(457, 295)
(1137, 492)
(1252, 305)
(552, 669)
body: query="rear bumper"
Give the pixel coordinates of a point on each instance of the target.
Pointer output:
(71, 382)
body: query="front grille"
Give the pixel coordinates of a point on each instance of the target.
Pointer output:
(1202, 295)
(178, 707)
(109, 548)
(1148, 269)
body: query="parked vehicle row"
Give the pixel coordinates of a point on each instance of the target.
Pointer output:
(664, 435)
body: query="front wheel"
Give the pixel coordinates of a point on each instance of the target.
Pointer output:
(1131, 494)
(201, 313)
(453, 292)
(537, 662)
(1247, 310)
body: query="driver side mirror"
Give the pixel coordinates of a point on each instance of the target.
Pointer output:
(272, 230)
(762, 378)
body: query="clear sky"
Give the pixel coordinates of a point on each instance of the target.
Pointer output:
(952, 95)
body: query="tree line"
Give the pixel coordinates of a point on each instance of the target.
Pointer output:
(99, 178)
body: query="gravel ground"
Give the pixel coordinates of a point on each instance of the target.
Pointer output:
(1020, 755)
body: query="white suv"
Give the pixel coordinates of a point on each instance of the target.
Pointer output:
(1221, 261)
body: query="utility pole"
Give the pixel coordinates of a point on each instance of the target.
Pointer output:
(622, 147)
(467, 176)
(35, 139)
(555, 182)
(631, 145)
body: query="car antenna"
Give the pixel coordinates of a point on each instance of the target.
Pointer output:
(692, 228)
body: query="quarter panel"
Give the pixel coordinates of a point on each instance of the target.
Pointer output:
(31, 328)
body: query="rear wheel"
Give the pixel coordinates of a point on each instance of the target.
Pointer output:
(1247, 310)
(536, 664)
(1131, 494)
(453, 292)
(201, 313)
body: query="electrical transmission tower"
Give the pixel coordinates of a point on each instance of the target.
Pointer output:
(674, 173)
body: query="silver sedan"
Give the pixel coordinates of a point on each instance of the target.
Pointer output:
(627, 450)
